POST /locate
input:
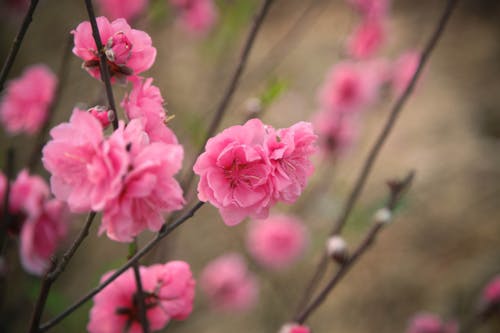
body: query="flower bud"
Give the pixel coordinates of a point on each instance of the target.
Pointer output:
(336, 248)
(490, 297)
(102, 114)
(294, 328)
(383, 216)
(118, 48)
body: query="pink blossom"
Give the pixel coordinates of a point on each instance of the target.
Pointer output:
(490, 297)
(371, 8)
(294, 328)
(145, 101)
(349, 88)
(28, 195)
(128, 51)
(234, 172)
(228, 284)
(41, 235)
(290, 150)
(86, 169)
(366, 39)
(127, 9)
(3, 188)
(198, 16)
(429, 323)
(169, 294)
(337, 132)
(102, 114)
(149, 189)
(27, 100)
(403, 70)
(277, 241)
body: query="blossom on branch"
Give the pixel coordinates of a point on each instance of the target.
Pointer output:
(197, 16)
(294, 328)
(429, 323)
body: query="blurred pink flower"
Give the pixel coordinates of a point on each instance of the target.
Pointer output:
(277, 241)
(86, 170)
(28, 195)
(128, 51)
(149, 189)
(169, 294)
(349, 87)
(429, 323)
(367, 39)
(126, 9)
(41, 235)
(234, 172)
(371, 8)
(145, 101)
(490, 297)
(26, 101)
(294, 328)
(337, 132)
(102, 114)
(403, 70)
(290, 150)
(228, 285)
(197, 16)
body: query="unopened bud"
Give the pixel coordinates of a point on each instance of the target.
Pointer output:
(253, 105)
(102, 114)
(294, 328)
(336, 248)
(383, 216)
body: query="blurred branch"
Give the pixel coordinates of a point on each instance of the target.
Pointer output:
(103, 64)
(140, 293)
(16, 45)
(6, 217)
(397, 190)
(41, 300)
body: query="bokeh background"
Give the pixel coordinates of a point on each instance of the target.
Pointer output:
(445, 241)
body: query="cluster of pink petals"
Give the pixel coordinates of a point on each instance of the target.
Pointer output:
(337, 132)
(102, 114)
(27, 99)
(246, 169)
(197, 16)
(294, 328)
(168, 294)
(403, 70)
(228, 285)
(126, 9)
(276, 242)
(429, 323)
(40, 222)
(490, 297)
(125, 175)
(128, 51)
(367, 39)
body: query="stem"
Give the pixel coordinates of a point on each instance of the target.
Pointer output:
(233, 83)
(62, 79)
(140, 292)
(16, 45)
(171, 227)
(103, 64)
(41, 300)
(6, 217)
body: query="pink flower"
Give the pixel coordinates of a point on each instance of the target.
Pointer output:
(102, 114)
(294, 328)
(169, 294)
(197, 16)
(349, 87)
(149, 189)
(126, 9)
(429, 323)
(277, 241)
(337, 132)
(28, 195)
(290, 150)
(41, 235)
(234, 172)
(27, 100)
(228, 285)
(366, 39)
(86, 169)
(145, 101)
(128, 51)
(371, 8)
(490, 297)
(403, 70)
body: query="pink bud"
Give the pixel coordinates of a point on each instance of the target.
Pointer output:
(118, 48)
(294, 328)
(102, 114)
(490, 297)
(430, 323)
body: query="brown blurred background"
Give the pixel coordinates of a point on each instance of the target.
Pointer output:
(445, 241)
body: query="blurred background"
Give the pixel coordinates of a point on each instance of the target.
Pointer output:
(444, 244)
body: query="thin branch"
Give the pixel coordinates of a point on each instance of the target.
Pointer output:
(103, 64)
(163, 233)
(140, 293)
(16, 45)
(6, 217)
(34, 158)
(41, 300)
(397, 191)
(233, 83)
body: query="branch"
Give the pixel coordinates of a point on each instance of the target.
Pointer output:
(6, 217)
(103, 64)
(162, 234)
(140, 292)
(41, 300)
(16, 45)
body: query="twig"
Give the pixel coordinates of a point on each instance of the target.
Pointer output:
(6, 217)
(233, 84)
(41, 300)
(171, 227)
(140, 292)
(103, 64)
(397, 191)
(16, 45)
(62, 78)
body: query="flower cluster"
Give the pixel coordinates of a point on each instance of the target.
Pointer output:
(26, 102)
(168, 293)
(197, 16)
(40, 222)
(429, 323)
(246, 169)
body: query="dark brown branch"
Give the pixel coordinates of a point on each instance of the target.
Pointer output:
(16, 45)
(41, 300)
(34, 158)
(171, 227)
(233, 83)
(6, 217)
(140, 293)
(103, 64)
